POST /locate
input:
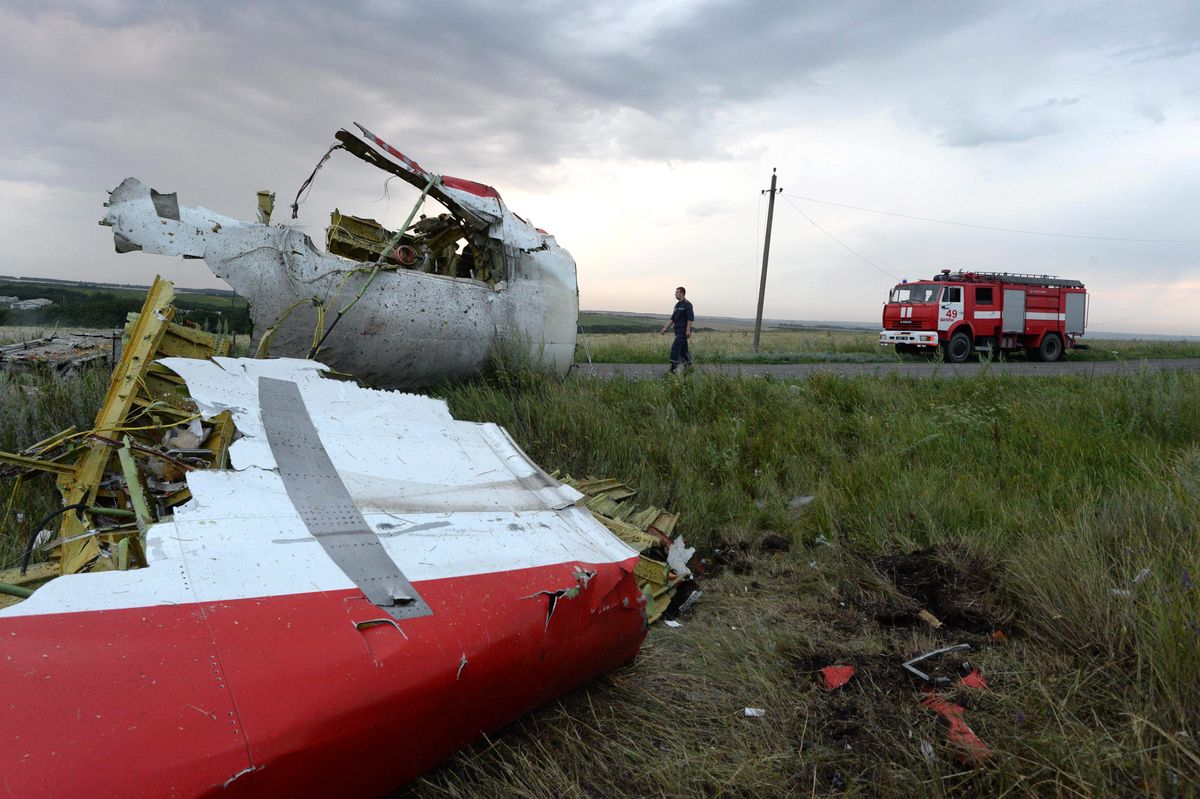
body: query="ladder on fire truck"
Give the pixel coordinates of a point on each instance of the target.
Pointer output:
(1008, 277)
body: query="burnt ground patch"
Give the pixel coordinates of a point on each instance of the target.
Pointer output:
(959, 586)
(674, 722)
(869, 617)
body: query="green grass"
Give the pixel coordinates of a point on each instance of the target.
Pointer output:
(592, 322)
(1053, 494)
(34, 406)
(826, 346)
(777, 346)
(1037, 503)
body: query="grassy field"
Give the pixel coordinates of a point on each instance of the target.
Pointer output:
(795, 346)
(597, 322)
(1053, 524)
(1024, 506)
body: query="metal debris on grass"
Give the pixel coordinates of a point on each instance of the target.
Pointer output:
(62, 352)
(911, 665)
(834, 677)
(970, 750)
(127, 471)
(663, 565)
(930, 619)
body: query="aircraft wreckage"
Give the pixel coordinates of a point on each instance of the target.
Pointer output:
(398, 309)
(266, 581)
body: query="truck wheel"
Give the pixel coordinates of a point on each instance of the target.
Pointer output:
(1051, 348)
(959, 348)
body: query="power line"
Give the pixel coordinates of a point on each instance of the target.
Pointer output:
(790, 197)
(840, 243)
(992, 227)
(1152, 310)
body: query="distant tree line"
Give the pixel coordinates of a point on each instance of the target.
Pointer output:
(75, 308)
(633, 327)
(617, 328)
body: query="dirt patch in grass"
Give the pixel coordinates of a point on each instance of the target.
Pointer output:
(957, 585)
(674, 722)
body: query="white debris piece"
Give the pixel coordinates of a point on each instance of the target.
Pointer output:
(678, 556)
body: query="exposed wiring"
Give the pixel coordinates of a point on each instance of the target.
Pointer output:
(840, 243)
(37, 528)
(95, 431)
(302, 194)
(187, 467)
(265, 341)
(992, 227)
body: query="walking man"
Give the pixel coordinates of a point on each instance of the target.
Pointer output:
(681, 318)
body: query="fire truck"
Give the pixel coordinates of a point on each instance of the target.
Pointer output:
(987, 312)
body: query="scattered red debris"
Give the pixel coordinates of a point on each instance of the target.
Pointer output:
(998, 636)
(974, 679)
(971, 750)
(836, 676)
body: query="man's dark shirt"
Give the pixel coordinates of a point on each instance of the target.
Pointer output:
(681, 316)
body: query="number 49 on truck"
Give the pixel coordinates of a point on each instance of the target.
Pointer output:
(986, 312)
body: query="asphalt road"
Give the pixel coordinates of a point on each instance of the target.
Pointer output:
(643, 371)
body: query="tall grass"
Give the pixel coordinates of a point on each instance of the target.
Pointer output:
(896, 460)
(35, 405)
(809, 346)
(1085, 491)
(791, 346)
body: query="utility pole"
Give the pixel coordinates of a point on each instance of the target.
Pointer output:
(762, 284)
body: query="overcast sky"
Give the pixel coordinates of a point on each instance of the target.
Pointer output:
(642, 135)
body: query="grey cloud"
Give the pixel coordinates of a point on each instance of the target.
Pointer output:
(522, 81)
(491, 83)
(979, 132)
(709, 208)
(1054, 102)
(1144, 54)
(977, 126)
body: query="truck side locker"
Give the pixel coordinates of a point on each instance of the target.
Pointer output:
(1076, 312)
(1012, 317)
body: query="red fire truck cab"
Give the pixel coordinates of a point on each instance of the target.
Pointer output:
(992, 312)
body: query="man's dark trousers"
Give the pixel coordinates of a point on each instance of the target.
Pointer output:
(679, 350)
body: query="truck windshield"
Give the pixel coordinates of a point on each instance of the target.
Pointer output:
(915, 293)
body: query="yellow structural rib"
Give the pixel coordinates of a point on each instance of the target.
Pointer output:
(75, 554)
